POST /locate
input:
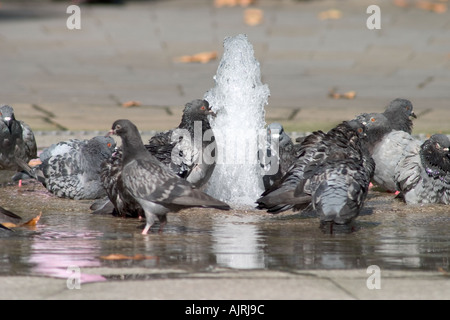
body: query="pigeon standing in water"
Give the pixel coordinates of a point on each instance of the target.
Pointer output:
(71, 169)
(184, 150)
(151, 184)
(279, 155)
(387, 136)
(331, 175)
(423, 175)
(17, 142)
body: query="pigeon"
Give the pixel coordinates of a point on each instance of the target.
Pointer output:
(423, 174)
(183, 148)
(331, 176)
(71, 169)
(278, 156)
(177, 148)
(17, 142)
(156, 188)
(399, 113)
(387, 135)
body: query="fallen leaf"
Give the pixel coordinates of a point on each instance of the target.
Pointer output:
(253, 17)
(346, 95)
(131, 103)
(202, 57)
(32, 222)
(232, 3)
(118, 256)
(9, 225)
(401, 3)
(331, 14)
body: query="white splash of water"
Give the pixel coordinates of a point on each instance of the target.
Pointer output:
(238, 98)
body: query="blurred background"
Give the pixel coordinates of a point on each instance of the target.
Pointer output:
(143, 60)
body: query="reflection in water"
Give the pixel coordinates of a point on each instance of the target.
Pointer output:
(54, 252)
(236, 242)
(392, 236)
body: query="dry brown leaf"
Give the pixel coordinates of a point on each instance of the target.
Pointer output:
(346, 95)
(253, 17)
(401, 3)
(131, 103)
(330, 14)
(9, 225)
(232, 3)
(202, 57)
(118, 256)
(30, 223)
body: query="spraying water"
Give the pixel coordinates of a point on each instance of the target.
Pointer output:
(238, 98)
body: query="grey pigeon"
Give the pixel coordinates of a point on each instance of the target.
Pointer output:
(17, 142)
(71, 169)
(279, 154)
(423, 174)
(181, 149)
(331, 175)
(399, 113)
(387, 135)
(157, 189)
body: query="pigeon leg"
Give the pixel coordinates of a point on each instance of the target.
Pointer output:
(150, 219)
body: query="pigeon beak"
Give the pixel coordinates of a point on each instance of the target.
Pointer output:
(413, 115)
(8, 122)
(110, 133)
(212, 113)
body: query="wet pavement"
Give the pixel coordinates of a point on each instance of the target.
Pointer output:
(207, 243)
(68, 84)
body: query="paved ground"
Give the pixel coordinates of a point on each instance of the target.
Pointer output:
(59, 79)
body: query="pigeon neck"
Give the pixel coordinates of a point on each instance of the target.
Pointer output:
(132, 146)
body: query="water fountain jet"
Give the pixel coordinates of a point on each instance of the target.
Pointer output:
(238, 98)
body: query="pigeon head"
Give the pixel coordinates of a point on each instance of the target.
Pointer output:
(277, 129)
(376, 124)
(104, 145)
(435, 153)
(357, 127)
(399, 113)
(7, 115)
(196, 110)
(122, 127)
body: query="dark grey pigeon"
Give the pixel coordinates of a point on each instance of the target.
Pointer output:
(423, 175)
(385, 140)
(156, 188)
(71, 169)
(17, 142)
(331, 176)
(399, 113)
(279, 154)
(182, 149)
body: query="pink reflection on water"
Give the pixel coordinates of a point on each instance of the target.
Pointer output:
(56, 253)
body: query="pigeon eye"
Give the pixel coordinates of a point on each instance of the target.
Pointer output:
(109, 145)
(372, 119)
(360, 130)
(203, 108)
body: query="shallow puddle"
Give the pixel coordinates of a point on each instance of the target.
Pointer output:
(388, 234)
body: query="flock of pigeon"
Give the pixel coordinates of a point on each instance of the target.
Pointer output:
(328, 173)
